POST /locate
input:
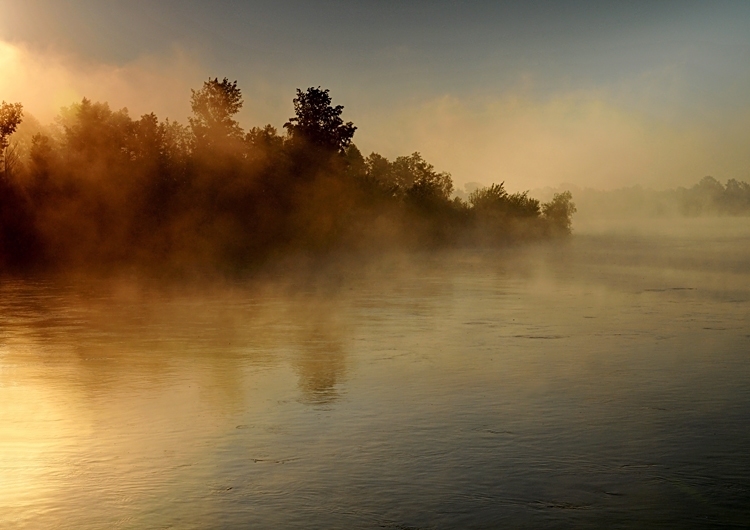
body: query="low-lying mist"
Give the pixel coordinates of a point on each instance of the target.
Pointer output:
(101, 191)
(707, 198)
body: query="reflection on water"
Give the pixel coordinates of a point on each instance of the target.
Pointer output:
(321, 364)
(604, 382)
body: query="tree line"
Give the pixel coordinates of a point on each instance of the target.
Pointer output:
(711, 197)
(101, 189)
(707, 198)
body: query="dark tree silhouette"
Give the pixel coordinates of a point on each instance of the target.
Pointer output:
(495, 200)
(488, 198)
(413, 170)
(18, 242)
(104, 190)
(11, 115)
(318, 123)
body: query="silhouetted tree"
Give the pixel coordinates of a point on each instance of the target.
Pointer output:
(497, 200)
(19, 245)
(263, 144)
(102, 189)
(413, 172)
(380, 173)
(356, 167)
(488, 198)
(318, 123)
(96, 137)
(559, 212)
(11, 115)
(214, 107)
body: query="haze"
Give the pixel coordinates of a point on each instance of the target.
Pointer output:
(367, 265)
(598, 94)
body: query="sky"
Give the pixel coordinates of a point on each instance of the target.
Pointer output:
(596, 94)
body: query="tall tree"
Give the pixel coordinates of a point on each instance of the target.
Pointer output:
(11, 115)
(318, 123)
(96, 134)
(214, 107)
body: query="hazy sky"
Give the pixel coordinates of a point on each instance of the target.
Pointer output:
(598, 94)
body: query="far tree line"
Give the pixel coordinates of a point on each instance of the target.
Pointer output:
(101, 189)
(708, 197)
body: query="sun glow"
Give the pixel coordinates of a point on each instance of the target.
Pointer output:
(46, 81)
(585, 138)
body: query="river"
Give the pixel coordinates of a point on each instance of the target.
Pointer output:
(600, 382)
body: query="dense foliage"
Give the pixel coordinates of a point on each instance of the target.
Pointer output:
(101, 189)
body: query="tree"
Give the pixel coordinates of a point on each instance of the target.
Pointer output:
(214, 107)
(356, 167)
(260, 141)
(379, 169)
(559, 212)
(97, 136)
(41, 156)
(736, 197)
(482, 199)
(498, 201)
(11, 115)
(318, 123)
(18, 242)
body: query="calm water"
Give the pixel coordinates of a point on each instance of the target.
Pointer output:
(602, 383)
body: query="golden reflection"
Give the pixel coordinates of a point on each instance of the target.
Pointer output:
(321, 365)
(35, 427)
(98, 379)
(118, 400)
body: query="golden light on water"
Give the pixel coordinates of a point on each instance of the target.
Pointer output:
(27, 453)
(125, 404)
(78, 414)
(206, 323)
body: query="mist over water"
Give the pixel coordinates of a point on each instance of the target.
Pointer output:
(595, 381)
(445, 266)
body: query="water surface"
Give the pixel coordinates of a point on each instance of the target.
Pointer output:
(603, 382)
